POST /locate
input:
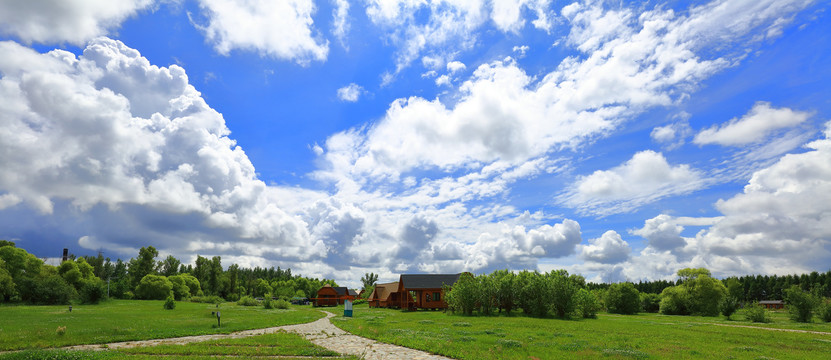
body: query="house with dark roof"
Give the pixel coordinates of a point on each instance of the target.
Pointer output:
(772, 304)
(333, 296)
(424, 291)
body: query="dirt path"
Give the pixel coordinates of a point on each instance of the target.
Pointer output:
(320, 332)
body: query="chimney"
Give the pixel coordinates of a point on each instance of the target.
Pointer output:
(65, 255)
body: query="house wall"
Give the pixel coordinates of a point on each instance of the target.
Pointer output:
(327, 297)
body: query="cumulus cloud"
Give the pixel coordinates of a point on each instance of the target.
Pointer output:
(628, 64)
(350, 93)
(516, 248)
(136, 147)
(340, 24)
(607, 249)
(662, 233)
(672, 136)
(280, 29)
(644, 178)
(455, 66)
(72, 21)
(755, 126)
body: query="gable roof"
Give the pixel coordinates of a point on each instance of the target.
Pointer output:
(352, 292)
(383, 291)
(342, 290)
(427, 281)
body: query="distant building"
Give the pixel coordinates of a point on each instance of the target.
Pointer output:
(772, 304)
(333, 296)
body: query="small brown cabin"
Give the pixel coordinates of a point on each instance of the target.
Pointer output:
(772, 304)
(333, 296)
(385, 295)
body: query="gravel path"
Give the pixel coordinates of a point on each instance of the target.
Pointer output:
(320, 332)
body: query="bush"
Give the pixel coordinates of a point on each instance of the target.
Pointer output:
(824, 310)
(674, 301)
(92, 291)
(587, 304)
(154, 287)
(169, 303)
(801, 304)
(623, 298)
(281, 304)
(650, 302)
(268, 302)
(359, 302)
(756, 313)
(232, 297)
(48, 290)
(248, 301)
(728, 306)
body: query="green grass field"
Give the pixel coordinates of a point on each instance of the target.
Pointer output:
(27, 327)
(282, 345)
(612, 336)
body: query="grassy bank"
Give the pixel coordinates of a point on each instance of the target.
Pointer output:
(25, 327)
(640, 336)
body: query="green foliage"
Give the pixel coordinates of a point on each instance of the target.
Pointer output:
(169, 266)
(728, 306)
(650, 303)
(757, 314)
(212, 299)
(563, 291)
(487, 294)
(535, 293)
(587, 304)
(359, 302)
(734, 288)
(687, 274)
(801, 304)
(248, 301)
(705, 294)
(58, 355)
(674, 300)
(154, 287)
(267, 301)
(282, 304)
(824, 310)
(506, 289)
(142, 265)
(6, 283)
(464, 295)
(46, 290)
(369, 280)
(92, 290)
(169, 303)
(623, 298)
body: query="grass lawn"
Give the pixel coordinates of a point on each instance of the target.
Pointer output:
(284, 345)
(611, 336)
(26, 327)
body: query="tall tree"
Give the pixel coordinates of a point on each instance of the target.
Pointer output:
(369, 280)
(169, 266)
(142, 265)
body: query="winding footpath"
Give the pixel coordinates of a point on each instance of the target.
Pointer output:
(320, 332)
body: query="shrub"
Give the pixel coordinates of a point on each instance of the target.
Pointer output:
(169, 303)
(92, 291)
(153, 287)
(623, 298)
(359, 302)
(728, 306)
(248, 301)
(281, 304)
(268, 302)
(824, 310)
(674, 301)
(232, 297)
(587, 304)
(756, 313)
(801, 304)
(48, 290)
(650, 302)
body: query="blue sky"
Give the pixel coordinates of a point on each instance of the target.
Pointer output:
(618, 140)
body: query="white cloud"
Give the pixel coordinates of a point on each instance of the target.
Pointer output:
(607, 249)
(350, 93)
(443, 80)
(72, 21)
(280, 29)
(455, 66)
(674, 135)
(521, 50)
(662, 233)
(340, 24)
(755, 126)
(644, 178)
(135, 147)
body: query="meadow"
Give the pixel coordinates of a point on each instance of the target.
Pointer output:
(27, 327)
(613, 336)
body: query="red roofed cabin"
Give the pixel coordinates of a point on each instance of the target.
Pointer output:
(385, 295)
(424, 291)
(333, 296)
(772, 304)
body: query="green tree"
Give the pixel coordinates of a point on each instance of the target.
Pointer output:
(563, 291)
(728, 306)
(369, 280)
(464, 294)
(154, 287)
(674, 300)
(506, 290)
(180, 288)
(650, 302)
(801, 304)
(623, 298)
(144, 264)
(6, 283)
(587, 303)
(169, 266)
(705, 294)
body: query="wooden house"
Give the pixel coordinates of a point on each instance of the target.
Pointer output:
(424, 291)
(772, 304)
(384, 295)
(333, 296)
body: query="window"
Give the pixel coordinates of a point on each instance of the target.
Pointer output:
(437, 296)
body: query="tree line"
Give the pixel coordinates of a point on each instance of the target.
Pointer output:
(559, 294)
(89, 279)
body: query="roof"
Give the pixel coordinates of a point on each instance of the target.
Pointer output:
(771, 302)
(383, 291)
(352, 292)
(342, 290)
(428, 281)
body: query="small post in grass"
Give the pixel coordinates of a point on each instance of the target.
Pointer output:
(70, 308)
(218, 321)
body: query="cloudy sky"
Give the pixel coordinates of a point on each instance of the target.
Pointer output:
(618, 140)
